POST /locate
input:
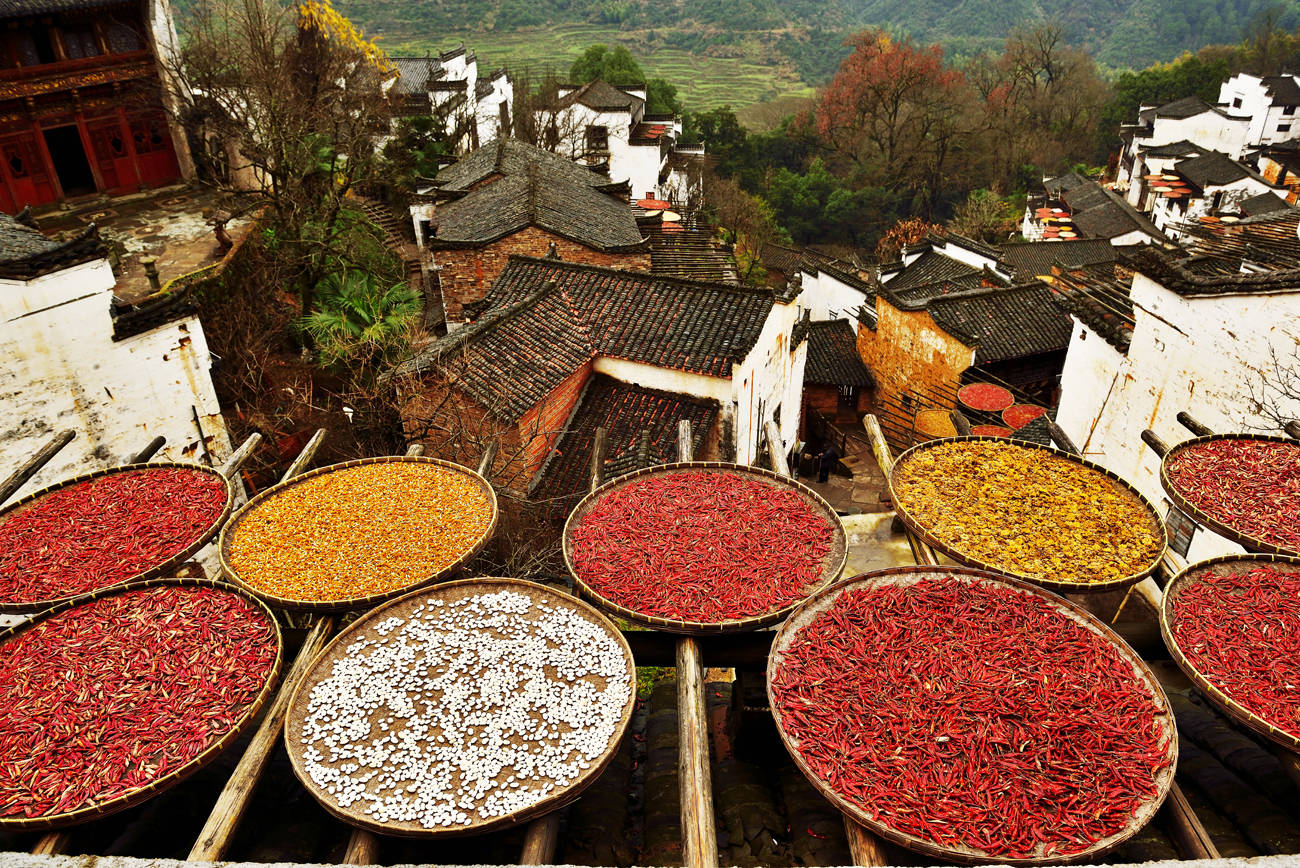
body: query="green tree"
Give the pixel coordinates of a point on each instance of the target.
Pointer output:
(615, 65)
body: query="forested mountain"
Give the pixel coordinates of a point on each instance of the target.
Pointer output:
(1120, 33)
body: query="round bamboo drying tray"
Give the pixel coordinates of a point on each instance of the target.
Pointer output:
(924, 533)
(151, 573)
(826, 598)
(144, 793)
(1250, 543)
(365, 627)
(364, 601)
(1185, 579)
(832, 564)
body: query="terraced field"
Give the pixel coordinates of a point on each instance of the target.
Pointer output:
(703, 81)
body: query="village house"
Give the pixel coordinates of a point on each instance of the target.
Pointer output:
(1072, 206)
(116, 374)
(608, 129)
(449, 87)
(1280, 165)
(1191, 122)
(511, 198)
(82, 101)
(1201, 330)
(1208, 185)
(837, 385)
(1271, 102)
(564, 347)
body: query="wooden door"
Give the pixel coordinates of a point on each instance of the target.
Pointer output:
(153, 150)
(26, 180)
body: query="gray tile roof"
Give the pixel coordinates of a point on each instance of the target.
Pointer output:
(511, 157)
(1004, 322)
(1264, 203)
(546, 318)
(536, 198)
(1031, 259)
(833, 358)
(602, 96)
(931, 267)
(1283, 89)
(19, 241)
(25, 253)
(1182, 148)
(416, 73)
(1214, 169)
(23, 8)
(1098, 212)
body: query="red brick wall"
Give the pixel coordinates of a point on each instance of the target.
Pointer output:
(467, 273)
(541, 426)
(826, 400)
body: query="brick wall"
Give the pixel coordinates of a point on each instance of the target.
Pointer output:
(826, 400)
(467, 273)
(541, 426)
(908, 352)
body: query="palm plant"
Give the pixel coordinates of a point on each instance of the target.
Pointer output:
(359, 321)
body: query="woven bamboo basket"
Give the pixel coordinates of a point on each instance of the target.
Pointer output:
(832, 564)
(927, 535)
(365, 627)
(963, 855)
(166, 782)
(361, 601)
(160, 569)
(1250, 543)
(1186, 579)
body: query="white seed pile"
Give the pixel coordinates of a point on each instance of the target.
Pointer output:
(465, 710)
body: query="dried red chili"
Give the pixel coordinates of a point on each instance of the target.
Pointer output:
(1241, 630)
(701, 546)
(985, 396)
(970, 713)
(1018, 416)
(106, 697)
(104, 530)
(1252, 486)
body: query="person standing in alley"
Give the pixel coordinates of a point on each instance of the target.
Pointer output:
(829, 456)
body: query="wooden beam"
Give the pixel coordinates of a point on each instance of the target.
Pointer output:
(485, 463)
(1061, 439)
(1187, 421)
(864, 846)
(1292, 429)
(1158, 446)
(149, 451)
(922, 553)
(240, 455)
(363, 848)
(33, 465)
(52, 844)
(220, 828)
(305, 456)
(599, 450)
(1190, 837)
(775, 449)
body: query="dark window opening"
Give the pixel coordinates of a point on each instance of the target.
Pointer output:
(1288, 110)
(33, 47)
(1180, 529)
(1284, 128)
(1236, 103)
(597, 138)
(70, 163)
(79, 41)
(122, 38)
(14, 158)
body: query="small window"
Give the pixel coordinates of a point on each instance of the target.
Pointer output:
(1236, 103)
(79, 41)
(1284, 128)
(1288, 110)
(597, 138)
(1180, 529)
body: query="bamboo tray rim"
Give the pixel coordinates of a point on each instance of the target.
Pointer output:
(832, 564)
(365, 601)
(920, 530)
(825, 599)
(1250, 543)
(177, 775)
(1187, 577)
(156, 571)
(323, 664)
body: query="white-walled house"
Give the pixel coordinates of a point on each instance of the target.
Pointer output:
(1072, 206)
(1190, 334)
(830, 293)
(117, 376)
(607, 128)
(449, 84)
(1214, 185)
(1190, 120)
(1272, 103)
(552, 326)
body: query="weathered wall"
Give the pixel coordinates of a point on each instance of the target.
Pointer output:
(1201, 355)
(467, 273)
(541, 426)
(768, 385)
(60, 368)
(907, 351)
(825, 297)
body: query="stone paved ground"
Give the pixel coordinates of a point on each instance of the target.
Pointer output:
(172, 225)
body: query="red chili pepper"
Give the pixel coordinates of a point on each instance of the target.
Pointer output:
(701, 546)
(1252, 486)
(113, 694)
(971, 714)
(104, 530)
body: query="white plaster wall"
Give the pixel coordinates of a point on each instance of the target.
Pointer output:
(640, 164)
(826, 297)
(954, 250)
(488, 110)
(1210, 130)
(1200, 355)
(771, 375)
(60, 368)
(652, 377)
(1255, 101)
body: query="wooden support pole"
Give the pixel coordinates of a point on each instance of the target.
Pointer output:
(775, 449)
(52, 844)
(1158, 446)
(485, 463)
(305, 456)
(1187, 421)
(695, 776)
(1190, 837)
(19, 477)
(1061, 439)
(1292, 429)
(885, 458)
(543, 834)
(240, 455)
(149, 451)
